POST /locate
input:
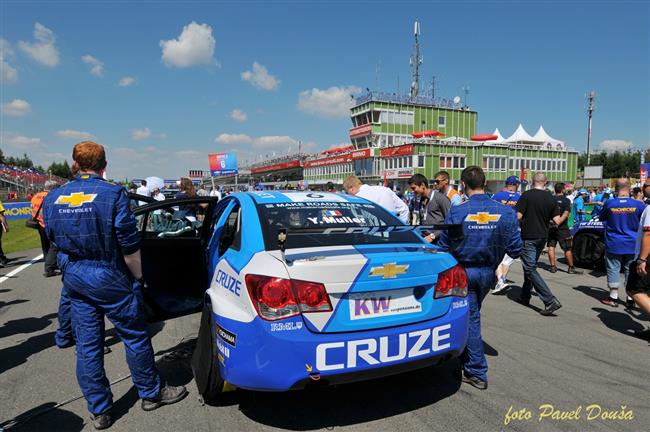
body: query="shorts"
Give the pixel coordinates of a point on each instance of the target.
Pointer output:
(637, 284)
(563, 237)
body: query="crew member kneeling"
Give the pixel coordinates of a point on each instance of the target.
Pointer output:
(90, 220)
(490, 231)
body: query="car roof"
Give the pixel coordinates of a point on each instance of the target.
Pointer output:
(270, 197)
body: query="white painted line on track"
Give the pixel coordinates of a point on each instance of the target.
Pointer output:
(19, 269)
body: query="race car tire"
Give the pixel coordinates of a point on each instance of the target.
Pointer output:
(588, 250)
(205, 365)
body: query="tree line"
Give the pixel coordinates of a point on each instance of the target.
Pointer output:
(58, 169)
(616, 164)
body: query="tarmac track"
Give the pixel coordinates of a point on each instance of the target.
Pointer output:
(585, 355)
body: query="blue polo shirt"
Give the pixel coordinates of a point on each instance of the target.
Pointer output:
(621, 217)
(579, 204)
(506, 197)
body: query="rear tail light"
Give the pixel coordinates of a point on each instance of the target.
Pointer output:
(277, 298)
(452, 282)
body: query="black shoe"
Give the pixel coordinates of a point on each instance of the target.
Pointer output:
(572, 270)
(475, 382)
(168, 395)
(51, 274)
(549, 309)
(4, 260)
(523, 301)
(102, 421)
(107, 350)
(553, 269)
(629, 304)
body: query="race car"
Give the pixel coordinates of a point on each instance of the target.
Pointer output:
(589, 243)
(300, 287)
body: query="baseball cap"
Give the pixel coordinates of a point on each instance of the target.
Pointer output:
(583, 191)
(512, 180)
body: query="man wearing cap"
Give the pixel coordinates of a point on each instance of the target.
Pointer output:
(90, 221)
(579, 213)
(509, 197)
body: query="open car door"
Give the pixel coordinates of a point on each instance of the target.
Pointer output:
(174, 235)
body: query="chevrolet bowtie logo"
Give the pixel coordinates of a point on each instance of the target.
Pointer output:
(482, 217)
(76, 199)
(389, 270)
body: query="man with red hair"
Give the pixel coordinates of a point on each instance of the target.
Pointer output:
(90, 221)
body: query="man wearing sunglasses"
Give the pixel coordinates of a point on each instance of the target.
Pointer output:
(441, 184)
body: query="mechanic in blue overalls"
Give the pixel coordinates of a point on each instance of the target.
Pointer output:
(490, 231)
(90, 220)
(509, 196)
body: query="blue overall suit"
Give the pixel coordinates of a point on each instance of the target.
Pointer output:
(90, 220)
(490, 230)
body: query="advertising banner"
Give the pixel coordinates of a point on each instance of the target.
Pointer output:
(645, 172)
(18, 210)
(222, 164)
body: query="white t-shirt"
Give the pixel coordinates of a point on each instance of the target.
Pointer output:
(387, 199)
(215, 193)
(143, 190)
(644, 227)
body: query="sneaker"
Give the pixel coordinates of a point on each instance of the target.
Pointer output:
(4, 260)
(572, 270)
(523, 301)
(168, 395)
(107, 350)
(549, 309)
(474, 381)
(609, 302)
(553, 269)
(643, 334)
(102, 421)
(629, 304)
(51, 274)
(501, 285)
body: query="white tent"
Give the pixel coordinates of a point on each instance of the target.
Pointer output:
(500, 139)
(545, 138)
(521, 136)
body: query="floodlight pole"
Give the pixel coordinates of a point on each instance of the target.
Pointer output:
(591, 98)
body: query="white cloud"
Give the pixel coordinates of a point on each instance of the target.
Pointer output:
(332, 103)
(126, 81)
(238, 115)
(19, 141)
(73, 134)
(126, 152)
(16, 108)
(225, 138)
(194, 46)
(43, 50)
(150, 148)
(140, 134)
(96, 66)
(274, 141)
(191, 155)
(260, 78)
(163, 136)
(613, 145)
(8, 74)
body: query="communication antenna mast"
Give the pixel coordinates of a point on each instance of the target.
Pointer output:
(591, 106)
(377, 76)
(416, 61)
(466, 91)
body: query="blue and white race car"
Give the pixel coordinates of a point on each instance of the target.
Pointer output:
(297, 287)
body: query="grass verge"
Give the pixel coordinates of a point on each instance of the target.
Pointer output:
(19, 237)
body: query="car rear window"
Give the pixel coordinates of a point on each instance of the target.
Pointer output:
(308, 219)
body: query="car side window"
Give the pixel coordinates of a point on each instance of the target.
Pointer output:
(169, 222)
(231, 232)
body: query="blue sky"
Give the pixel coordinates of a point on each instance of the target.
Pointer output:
(528, 62)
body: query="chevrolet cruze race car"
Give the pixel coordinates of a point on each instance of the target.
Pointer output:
(297, 287)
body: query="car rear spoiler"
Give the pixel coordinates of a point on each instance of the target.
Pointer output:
(454, 231)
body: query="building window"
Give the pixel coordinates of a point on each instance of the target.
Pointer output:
(420, 161)
(442, 121)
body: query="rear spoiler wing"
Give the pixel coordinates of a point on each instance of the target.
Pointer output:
(454, 231)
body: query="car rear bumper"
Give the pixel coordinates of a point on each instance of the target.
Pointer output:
(285, 355)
